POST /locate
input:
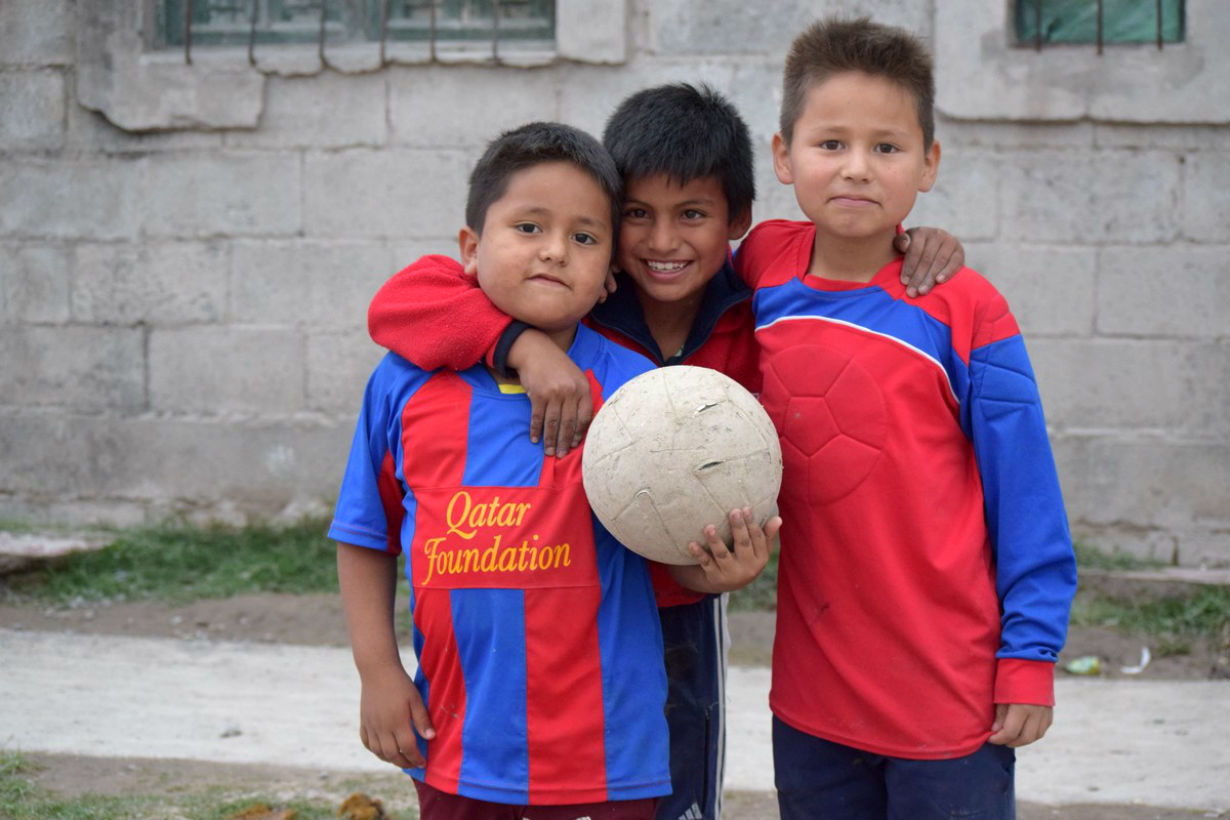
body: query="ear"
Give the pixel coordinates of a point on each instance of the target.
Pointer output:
(931, 167)
(739, 225)
(781, 160)
(467, 239)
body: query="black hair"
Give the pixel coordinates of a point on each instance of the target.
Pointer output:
(835, 46)
(686, 132)
(534, 144)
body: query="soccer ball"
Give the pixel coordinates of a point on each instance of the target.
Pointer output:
(673, 450)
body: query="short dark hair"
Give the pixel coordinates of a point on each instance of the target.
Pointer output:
(686, 132)
(835, 46)
(534, 144)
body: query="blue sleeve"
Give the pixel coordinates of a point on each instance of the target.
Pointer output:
(361, 516)
(1026, 519)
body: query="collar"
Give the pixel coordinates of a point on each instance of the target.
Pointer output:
(622, 312)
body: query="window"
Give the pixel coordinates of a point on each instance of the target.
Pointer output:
(1049, 22)
(250, 22)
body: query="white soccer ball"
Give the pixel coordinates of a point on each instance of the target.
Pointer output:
(673, 450)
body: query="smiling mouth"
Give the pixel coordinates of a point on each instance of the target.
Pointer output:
(665, 267)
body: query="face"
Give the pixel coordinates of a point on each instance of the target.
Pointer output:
(673, 238)
(856, 157)
(545, 247)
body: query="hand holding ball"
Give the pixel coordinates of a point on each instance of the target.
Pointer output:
(676, 449)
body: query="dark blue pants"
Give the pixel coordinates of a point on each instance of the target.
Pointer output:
(694, 638)
(820, 780)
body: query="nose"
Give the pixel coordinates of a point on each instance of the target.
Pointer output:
(857, 165)
(554, 247)
(662, 235)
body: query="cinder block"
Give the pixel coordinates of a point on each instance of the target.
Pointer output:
(1050, 289)
(958, 135)
(192, 464)
(1206, 196)
(205, 196)
(379, 194)
(308, 284)
(1162, 135)
(1179, 388)
(91, 132)
(680, 27)
(1149, 487)
(964, 198)
(34, 281)
(1107, 196)
(212, 370)
(338, 365)
(325, 110)
(87, 369)
(452, 106)
(70, 199)
(151, 283)
(33, 106)
(1176, 290)
(37, 32)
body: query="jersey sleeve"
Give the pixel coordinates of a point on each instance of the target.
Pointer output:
(1026, 519)
(369, 510)
(435, 316)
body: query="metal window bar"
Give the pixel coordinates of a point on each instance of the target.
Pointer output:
(254, 18)
(1100, 25)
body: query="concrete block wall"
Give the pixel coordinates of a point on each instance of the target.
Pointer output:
(182, 311)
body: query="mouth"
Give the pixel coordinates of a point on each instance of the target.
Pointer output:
(851, 201)
(550, 281)
(665, 268)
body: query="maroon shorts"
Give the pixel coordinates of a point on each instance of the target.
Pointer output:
(437, 805)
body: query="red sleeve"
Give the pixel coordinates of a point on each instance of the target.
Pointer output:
(434, 315)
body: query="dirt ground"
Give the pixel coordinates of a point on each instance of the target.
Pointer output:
(317, 620)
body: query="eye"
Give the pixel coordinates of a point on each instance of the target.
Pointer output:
(692, 213)
(887, 148)
(585, 239)
(633, 212)
(830, 145)
(526, 227)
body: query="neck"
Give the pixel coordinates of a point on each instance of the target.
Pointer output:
(670, 322)
(850, 259)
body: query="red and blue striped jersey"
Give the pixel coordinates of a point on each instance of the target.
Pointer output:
(926, 568)
(538, 642)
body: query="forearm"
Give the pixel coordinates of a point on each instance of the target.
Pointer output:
(435, 316)
(368, 583)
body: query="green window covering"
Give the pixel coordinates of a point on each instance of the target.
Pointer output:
(1076, 21)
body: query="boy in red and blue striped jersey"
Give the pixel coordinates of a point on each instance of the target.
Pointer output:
(540, 679)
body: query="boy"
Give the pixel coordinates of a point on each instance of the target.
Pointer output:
(539, 680)
(686, 160)
(918, 623)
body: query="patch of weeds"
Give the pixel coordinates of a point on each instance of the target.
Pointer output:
(218, 804)
(179, 563)
(1090, 557)
(21, 799)
(1204, 612)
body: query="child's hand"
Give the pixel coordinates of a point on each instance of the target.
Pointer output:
(1019, 724)
(560, 405)
(932, 256)
(390, 710)
(730, 568)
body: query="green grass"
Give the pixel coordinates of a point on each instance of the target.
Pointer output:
(1088, 557)
(179, 563)
(22, 799)
(1203, 612)
(760, 594)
